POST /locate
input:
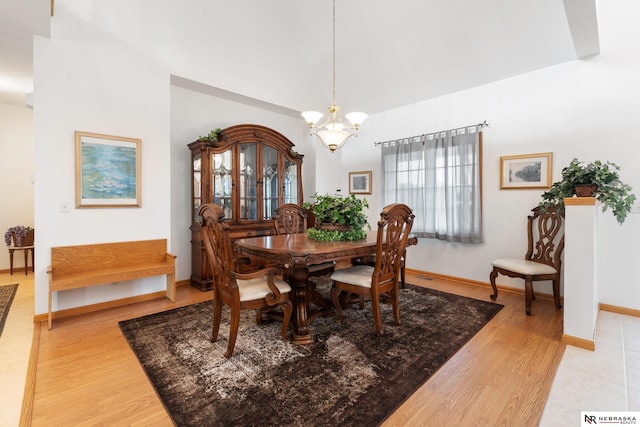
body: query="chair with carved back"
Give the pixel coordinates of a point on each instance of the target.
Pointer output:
(240, 291)
(290, 219)
(380, 280)
(543, 259)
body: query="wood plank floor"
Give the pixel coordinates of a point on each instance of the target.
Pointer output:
(87, 375)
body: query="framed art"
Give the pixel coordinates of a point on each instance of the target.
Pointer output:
(360, 182)
(526, 171)
(107, 171)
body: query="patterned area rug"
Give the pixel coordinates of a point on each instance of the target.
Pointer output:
(7, 292)
(348, 377)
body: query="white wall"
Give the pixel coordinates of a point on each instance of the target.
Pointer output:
(87, 82)
(16, 164)
(585, 109)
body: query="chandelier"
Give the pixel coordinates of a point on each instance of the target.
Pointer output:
(335, 133)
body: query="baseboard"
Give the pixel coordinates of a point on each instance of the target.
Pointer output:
(463, 281)
(620, 310)
(97, 307)
(578, 342)
(17, 271)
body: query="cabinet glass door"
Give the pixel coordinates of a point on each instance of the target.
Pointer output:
(248, 182)
(197, 188)
(290, 181)
(269, 181)
(222, 179)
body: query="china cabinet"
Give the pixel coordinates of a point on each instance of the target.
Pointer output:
(249, 172)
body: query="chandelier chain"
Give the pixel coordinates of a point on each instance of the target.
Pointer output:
(334, 52)
(335, 132)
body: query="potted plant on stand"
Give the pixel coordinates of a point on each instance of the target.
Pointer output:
(20, 235)
(338, 217)
(595, 179)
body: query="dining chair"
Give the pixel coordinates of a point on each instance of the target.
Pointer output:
(543, 258)
(240, 291)
(380, 280)
(371, 260)
(290, 219)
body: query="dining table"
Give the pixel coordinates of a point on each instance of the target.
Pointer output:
(295, 253)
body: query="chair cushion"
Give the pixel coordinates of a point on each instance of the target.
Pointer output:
(523, 266)
(358, 275)
(257, 288)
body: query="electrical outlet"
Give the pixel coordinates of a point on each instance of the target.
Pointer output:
(65, 207)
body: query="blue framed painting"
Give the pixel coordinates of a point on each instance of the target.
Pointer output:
(107, 171)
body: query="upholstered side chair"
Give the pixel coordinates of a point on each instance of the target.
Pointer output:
(543, 260)
(380, 280)
(240, 291)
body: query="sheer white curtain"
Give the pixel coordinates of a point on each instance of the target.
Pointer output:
(439, 177)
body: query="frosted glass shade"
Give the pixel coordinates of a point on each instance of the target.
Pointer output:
(333, 139)
(356, 118)
(312, 117)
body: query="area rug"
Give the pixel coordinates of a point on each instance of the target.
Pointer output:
(7, 292)
(348, 377)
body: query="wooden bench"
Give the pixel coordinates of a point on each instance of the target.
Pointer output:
(80, 266)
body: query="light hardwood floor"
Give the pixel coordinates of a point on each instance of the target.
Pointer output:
(15, 347)
(87, 374)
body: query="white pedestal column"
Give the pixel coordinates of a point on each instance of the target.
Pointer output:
(580, 272)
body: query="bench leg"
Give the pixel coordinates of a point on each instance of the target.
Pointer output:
(171, 287)
(49, 318)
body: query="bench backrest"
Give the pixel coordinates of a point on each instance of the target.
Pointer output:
(66, 260)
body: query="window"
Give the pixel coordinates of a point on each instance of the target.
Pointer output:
(439, 177)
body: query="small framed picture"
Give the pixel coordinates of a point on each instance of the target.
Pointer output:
(360, 182)
(107, 171)
(526, 171)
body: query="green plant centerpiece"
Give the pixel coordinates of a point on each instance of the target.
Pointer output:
(338, 217)
(20, 235)
(213, 136)
(608, 189)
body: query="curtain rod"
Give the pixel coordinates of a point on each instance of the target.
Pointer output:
(481, 125)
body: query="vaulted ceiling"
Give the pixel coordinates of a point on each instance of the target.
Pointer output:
(389, 54)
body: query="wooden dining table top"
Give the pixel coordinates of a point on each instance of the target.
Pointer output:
(299, 249)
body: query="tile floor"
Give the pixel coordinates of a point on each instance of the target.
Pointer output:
(607, 379)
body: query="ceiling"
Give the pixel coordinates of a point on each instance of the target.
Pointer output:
(387, 54)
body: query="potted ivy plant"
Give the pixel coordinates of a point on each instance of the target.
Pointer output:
(338, 217)
(20, 234)
(603, 182)
(213, 136)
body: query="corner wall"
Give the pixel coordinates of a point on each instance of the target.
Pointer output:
(86, 81)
